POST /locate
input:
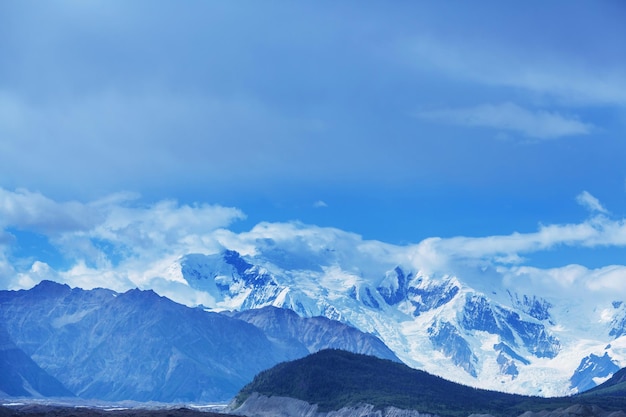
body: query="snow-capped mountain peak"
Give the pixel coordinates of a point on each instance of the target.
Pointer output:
(502, 340)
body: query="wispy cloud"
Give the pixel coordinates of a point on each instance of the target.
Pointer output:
(320, 204)
(494, 64)
(503, 257)
(511, 117)
(591, 203)
(126, 138)
(594, 232)
(568, 279)
(27, 210)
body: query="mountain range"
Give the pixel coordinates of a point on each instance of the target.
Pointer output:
(137, 345)
(485, 334)
(273, 305)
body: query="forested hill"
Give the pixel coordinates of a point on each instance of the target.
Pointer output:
(334, 379)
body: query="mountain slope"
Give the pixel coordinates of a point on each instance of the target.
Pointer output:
(135, 345)
(315, 333)
(144, 347)
(334, 379)
(20, 376)
(484, 335)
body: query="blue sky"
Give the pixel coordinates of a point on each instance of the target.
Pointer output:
(398, 122)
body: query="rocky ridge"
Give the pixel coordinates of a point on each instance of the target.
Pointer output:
(140, 346)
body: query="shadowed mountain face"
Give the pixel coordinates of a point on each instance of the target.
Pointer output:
(315, 333)
(140, 346)
(135, 345)
(20, 376)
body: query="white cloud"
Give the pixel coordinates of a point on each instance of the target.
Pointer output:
(86, 277)
(591, 203)
(300, 246)
(23, 209)
(594, 232)
(500, 65)
(133, 237)
(103, 238)
(478, 261)
(165, 225)
(605, 282)
(118, 219)
(511, 117)
(320, 204)
(38, 271)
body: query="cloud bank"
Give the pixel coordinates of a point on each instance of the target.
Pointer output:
(104, 240)
(119, 242)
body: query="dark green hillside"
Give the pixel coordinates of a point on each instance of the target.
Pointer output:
(615, 386)
(334, 379)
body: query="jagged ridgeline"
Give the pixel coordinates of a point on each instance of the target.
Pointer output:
(56, 341)
(334, 379)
